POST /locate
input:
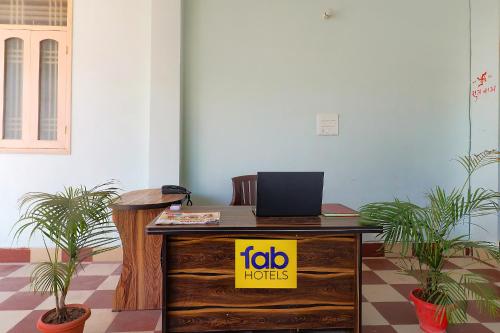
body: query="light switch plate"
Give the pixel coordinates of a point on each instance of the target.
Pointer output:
(327, 124)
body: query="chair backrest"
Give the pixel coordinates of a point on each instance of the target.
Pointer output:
(244, 191)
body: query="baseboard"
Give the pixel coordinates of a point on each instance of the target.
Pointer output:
(15, 255)
(378, 250)
(34, 255)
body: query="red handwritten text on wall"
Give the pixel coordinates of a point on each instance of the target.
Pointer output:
(481, 86)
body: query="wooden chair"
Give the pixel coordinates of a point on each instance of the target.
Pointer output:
(244, 191)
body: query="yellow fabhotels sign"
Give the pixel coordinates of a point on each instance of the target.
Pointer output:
(265, 263)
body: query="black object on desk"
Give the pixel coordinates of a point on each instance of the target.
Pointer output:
(289, 193)
(175, 189)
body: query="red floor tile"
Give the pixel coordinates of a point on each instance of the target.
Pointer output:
(23, 301)
(379, 329)
(397, 313)
(127, 321)
(14, 284)
(493, 275)
(405, 289)
(7, 269)
(83, 282)
(450, 265)
(473, 310)
(372, 250)
(28, 324)
(370, 277)
(496, 292)
(101, 299)
(468, 328)
(380, 264)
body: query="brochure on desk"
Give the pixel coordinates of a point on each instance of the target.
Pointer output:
(176, 218)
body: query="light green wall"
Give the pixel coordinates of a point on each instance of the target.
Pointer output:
(484, 111)
(256, 72)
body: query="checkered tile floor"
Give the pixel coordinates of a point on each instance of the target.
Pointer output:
(386, 308)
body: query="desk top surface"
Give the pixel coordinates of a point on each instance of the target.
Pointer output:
(242, 219)
(146, 199)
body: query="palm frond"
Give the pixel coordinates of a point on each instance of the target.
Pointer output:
(74, 220)
(478, 289)
(475, 162)
(428, 232)
(48, 277)
(451, 296)
(398, 219)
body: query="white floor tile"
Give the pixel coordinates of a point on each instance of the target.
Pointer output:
(24, 271)
(469, 263)
(110, 283)
(100, 320)
(99, 269)
(396, 277)
(158, 325)
(73, 297)
(5, 294)
(9, 319)
(495, 327)
(382, 293)
(371, 316)
(407, 328)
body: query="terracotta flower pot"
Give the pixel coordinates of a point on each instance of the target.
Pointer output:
(426, 313)
(75, 326)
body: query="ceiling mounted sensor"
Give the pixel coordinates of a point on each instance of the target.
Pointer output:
(328, 14)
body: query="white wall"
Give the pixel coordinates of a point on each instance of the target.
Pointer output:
(111, 78)
(164, 135)
(256, 72)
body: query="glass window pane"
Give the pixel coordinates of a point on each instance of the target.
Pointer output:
(13, 89)
(47, 100)
(34, 12)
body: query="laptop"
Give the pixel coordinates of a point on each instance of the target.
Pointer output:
(289, 193)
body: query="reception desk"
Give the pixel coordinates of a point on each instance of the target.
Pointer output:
(198, 266)
(139, 287)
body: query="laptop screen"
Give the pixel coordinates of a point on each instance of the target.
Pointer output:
(289, 193)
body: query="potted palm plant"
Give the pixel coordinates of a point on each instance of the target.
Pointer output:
(426, 237)
(76, 222)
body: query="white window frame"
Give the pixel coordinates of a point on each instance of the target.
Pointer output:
(33, 35)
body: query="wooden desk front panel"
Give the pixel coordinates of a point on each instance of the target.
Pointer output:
(202, 296)
(139, 287)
